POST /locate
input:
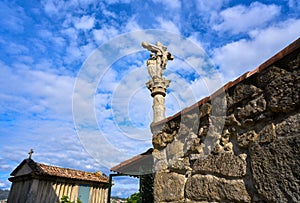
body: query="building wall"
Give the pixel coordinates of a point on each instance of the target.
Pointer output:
(243, 145)
(47, 191)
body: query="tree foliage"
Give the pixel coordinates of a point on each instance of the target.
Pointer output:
(134, 198)
(65, 199)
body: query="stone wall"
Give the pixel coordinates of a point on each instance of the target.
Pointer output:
(239, 145)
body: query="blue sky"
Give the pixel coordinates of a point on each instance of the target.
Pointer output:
(66, 92)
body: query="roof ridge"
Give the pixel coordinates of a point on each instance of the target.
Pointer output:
(51, 170)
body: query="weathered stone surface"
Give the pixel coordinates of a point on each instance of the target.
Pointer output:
(230, 101)
(210, 188)
(161, 165)
(289, 126)
(262, 121)
(243, 91)
(171, 126)
(231, 121)
(157, 141)
(205, 110)
(224, 164)
(183, 131)
(175, 149)
(223, 144)
(210, 142)
(276, 170)
(192, 144)
(219, 105)
(282, 94)
(225, 141)
(180, 165)
(194, 157)
(156, 129)
(192, 201)
(294, 63)
(159, 154)
(267, 134)
(161, 140)
(269, 75)
(217, 123)
(253, 108)
(203, 131)
(169, 187)
(191, 121)
(246, 138)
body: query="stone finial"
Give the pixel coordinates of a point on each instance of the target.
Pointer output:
(30, 153)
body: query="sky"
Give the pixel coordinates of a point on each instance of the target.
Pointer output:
(73, 73)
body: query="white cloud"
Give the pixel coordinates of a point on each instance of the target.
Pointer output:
(13, 48)
(117, 1)
(45, 33)
(107, 13)
(125, 186)
(40, 91)
(240, 18)
(13, 17)
(243, 55)
(2, 184)
(209, 10)
(105, 33)
(169, 4)
(168, 25)
(50, 7)
(70, 33)
(294, 4)
(208, 6)
(132, 25)
(3, 166)
(61, 8)
(85, 22)
(41, 118)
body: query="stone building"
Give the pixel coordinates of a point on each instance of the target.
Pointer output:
(34, 182)
(241, 144)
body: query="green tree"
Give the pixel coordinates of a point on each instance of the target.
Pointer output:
(65, 199)
(134, 198)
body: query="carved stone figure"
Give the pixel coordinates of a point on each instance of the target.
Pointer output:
(158, 59)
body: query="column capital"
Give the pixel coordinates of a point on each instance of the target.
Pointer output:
(158, 86)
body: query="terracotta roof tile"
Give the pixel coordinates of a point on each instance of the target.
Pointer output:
(71, 173)
(47, 170)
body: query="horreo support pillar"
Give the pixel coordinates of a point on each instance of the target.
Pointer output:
(157, 84)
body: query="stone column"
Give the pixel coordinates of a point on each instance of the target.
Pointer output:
(158, 88)
(157, 85)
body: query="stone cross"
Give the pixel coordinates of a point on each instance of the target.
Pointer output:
(157, 85)
(30, 153)
(158, 59)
